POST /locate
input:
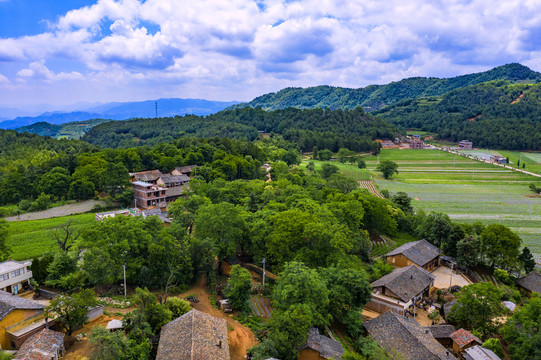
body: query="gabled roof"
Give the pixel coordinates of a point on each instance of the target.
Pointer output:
(441, 331)
(10, 302)
(194, 336)
(531, 282)
(186, 169)
(170, 179)
(463, 337)
(420, 252)
(41, 346)
(480, 353)
(146, 176)
(397, 333)
(325, 346)
(175, 190)
(406, 282)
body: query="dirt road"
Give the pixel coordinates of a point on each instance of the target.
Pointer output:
(65, 210)
(241, 338)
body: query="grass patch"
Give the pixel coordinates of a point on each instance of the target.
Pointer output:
(32, 238)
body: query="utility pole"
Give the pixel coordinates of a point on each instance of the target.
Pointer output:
(156, 106)
(125, 289)
(263, 262)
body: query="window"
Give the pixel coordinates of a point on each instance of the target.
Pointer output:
(4, 277)
(16, 273)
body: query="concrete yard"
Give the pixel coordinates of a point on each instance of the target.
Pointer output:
(443, 278)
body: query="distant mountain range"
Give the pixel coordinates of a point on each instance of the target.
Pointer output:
(376, 97)
(124, 110)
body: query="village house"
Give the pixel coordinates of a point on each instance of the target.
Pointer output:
(498, 159)
(44, 345)
(398, 290)
(320, 347)
(417, 144)
(479, 353)
(19, 319)
(400, 335)
(465, 145)
(442, 333)
(184, 170)
(149, 176)
(147, 195)
(420, 253)
(530, 283)
(194, 336)
(15, 276)
(463, 339)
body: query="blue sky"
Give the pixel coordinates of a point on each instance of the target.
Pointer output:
(63, 52)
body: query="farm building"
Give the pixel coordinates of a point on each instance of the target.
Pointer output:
(530, 283)
(194, 336)
(479, 353)
(442, 333)
(396, 290)
(400, 335)
(465, 145)
(19, 319)
(148, 195)
(420, 253)
(498, 159)
(44, 345)
(320, 347)
(417, 144)
(15, 276)
(463, 339)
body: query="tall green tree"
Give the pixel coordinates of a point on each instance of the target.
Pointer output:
(238, 287)
(477, 308)
(526, 260)
(107, 345)
(71, 310)
(521, 331)
(501, 246)
(387, 168)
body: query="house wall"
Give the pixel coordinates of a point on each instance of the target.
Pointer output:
(399, 261)
(381, 304)
(309, 354)
(13, 320)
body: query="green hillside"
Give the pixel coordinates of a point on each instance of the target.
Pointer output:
(496, 114)
(375, 97)
(326, 129)
(71, 130)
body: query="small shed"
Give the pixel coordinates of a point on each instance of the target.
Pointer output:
(225, 305)
(463, 339)
(480, 353)
(114, 325)
(320, 347)
(530, 283)
(442, 333)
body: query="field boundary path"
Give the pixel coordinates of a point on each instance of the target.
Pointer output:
(369, 185)
(65, 210)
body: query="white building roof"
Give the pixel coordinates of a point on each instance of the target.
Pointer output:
(11, 265)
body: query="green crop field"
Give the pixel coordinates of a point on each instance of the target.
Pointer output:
(467, 190)
(33, 238)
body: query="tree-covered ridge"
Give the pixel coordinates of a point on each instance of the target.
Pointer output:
(353, 129)
(496, 114)
(376, 97)
(71, 130)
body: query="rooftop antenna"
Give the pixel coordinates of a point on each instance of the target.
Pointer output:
(156, 106)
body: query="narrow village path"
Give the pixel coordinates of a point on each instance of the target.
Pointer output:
(241, 338)
(65, 210)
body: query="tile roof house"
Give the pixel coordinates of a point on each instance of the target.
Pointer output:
(395, 291)
(44, 345)
(187, 170)
(442, 333)
(463, 339)
(400, 335)
(149, 176)
(19, 318)
(479, 353)
(530, 283)
(194, 336)
(420, 253)
(320, 347)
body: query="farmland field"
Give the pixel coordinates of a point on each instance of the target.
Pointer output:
(33, 238)
(467, 190)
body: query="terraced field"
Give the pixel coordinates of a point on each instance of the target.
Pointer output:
(467, 190)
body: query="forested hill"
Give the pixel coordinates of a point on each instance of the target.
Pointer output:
(326, 129)
(375, 97)
(496, 114)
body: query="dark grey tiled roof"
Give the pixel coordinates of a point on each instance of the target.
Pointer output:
(398, 334)
(194, 336)
(325, 346)
(186, 169)
(406, 282)
(532, 282)
(175, 190)
(441, 331)
(420, 252)
(171, 179)
(146, 176)
(10, 302)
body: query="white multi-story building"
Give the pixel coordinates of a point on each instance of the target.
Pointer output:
(15, 276)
